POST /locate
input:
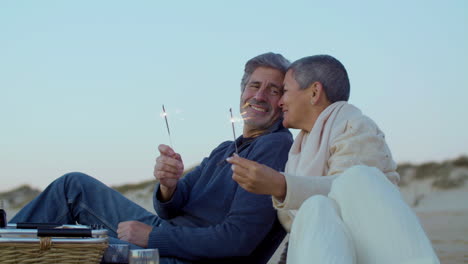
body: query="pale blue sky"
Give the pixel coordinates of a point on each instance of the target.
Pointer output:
(82, 82)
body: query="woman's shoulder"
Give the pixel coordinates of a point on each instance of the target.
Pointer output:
(353, 120)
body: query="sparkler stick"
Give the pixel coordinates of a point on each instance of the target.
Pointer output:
(233, 130)
(167, 125)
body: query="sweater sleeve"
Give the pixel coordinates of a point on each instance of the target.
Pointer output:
(171, 208)
(249, 219)
(361, 143)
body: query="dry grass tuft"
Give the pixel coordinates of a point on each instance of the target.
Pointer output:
(440, 172)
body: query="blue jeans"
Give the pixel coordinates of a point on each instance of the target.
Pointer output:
(79, 198)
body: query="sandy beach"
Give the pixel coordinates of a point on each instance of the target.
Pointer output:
(448, 231)
(443, 214)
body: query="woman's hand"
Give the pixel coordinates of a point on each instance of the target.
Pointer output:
(258, 178)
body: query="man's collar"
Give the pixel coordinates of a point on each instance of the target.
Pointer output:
(278, 125)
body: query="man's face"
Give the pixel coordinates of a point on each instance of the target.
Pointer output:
(259, 101)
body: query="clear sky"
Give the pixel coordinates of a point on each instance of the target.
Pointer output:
(82, 82)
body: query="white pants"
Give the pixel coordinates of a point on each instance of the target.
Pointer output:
(363, 220)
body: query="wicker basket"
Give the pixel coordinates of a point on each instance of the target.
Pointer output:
(23, 246)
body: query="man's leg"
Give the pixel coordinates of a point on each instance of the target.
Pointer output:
(173, 261)
(79, 198)
(318, 235)
(383, 227)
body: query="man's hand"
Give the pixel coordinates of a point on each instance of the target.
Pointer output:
(134, 232)
(258, 178)
(168, 170)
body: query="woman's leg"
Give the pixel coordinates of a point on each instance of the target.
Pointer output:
(79, 198)
(383, 227)
(318, 235)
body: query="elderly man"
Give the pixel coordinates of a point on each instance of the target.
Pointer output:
(204, 216)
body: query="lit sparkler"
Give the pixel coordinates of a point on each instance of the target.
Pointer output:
(167, 125)
(233, 131)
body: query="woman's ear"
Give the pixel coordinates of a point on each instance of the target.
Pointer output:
(315, 93)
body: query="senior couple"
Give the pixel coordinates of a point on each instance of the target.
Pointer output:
(334, 187)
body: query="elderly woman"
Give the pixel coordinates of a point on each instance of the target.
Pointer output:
(340, 175)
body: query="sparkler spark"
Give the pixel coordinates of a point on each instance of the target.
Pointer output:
(167, 125)
(233, 130)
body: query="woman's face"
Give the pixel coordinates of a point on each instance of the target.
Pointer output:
(295, 104)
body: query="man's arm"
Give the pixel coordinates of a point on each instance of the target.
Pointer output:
(137, 232)
(168, 209)
(250, 218)
(168, 170)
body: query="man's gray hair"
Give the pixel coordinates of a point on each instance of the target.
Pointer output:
(326, 70)
(269, 60)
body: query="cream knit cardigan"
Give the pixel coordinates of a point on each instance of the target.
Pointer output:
(340, 138)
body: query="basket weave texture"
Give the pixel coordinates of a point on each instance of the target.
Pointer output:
(47, 252)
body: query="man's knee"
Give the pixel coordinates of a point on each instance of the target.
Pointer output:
(76, 178)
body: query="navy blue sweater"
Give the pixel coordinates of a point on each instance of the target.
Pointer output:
(211, 218)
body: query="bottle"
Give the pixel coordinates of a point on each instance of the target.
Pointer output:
(144, 256)
(3, 220)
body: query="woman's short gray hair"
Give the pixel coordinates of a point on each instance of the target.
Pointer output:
(324, 69)
(269, 60)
